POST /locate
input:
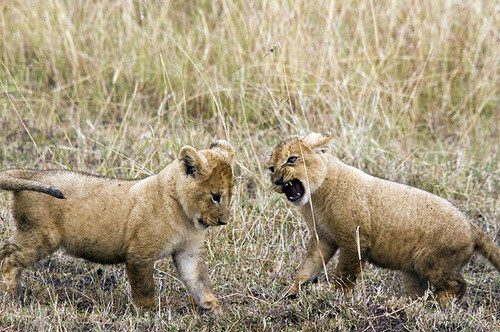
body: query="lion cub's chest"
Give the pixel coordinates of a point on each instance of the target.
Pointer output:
(318, 220)
(184, 240)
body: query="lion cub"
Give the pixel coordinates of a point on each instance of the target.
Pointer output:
(400, 227)
(120, 221)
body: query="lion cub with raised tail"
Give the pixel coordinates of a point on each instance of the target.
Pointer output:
(400, 227)
(113, 221)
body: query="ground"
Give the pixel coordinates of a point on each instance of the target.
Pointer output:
(410, 91)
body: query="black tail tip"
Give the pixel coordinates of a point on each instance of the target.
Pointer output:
(57, 194)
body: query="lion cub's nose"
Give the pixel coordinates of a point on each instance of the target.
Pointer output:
(279, 182)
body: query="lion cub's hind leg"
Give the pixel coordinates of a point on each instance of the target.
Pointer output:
(448, 285)
(140, 275)
(22, 250)
(7, 282)
(442, 268)
(414, 286)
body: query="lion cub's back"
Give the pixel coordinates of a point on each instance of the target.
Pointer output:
(406, 219)
(399, 204)
(89, 222)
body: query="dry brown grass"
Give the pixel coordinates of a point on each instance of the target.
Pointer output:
(410, 90)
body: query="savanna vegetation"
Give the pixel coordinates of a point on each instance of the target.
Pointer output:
(409, 89)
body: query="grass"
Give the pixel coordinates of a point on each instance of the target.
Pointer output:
(409, 89)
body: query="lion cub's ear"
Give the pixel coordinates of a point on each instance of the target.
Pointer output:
(224, 148)
(317, 141)
(268, 156)
(194, 163)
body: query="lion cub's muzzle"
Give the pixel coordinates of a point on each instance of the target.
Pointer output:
(293, 189)
(205, 224)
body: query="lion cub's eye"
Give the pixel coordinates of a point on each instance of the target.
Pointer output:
(271, 169)
(216, 198)
(292, 159)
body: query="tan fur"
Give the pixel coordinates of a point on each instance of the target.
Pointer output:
(400, 227)
(119, 221)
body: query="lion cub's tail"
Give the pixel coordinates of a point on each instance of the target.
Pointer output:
(17, 179)
(486, 247)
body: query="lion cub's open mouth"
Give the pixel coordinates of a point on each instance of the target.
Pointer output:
(294, 190)
(203, 223)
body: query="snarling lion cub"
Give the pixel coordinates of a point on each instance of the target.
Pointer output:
(122, 221)
(400, 227)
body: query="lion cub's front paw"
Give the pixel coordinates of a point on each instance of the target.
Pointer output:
(213, 306)
(15, 293)
(146, 303)
(292, 292)
(3, 288)
(217, 309)
(343, 285)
